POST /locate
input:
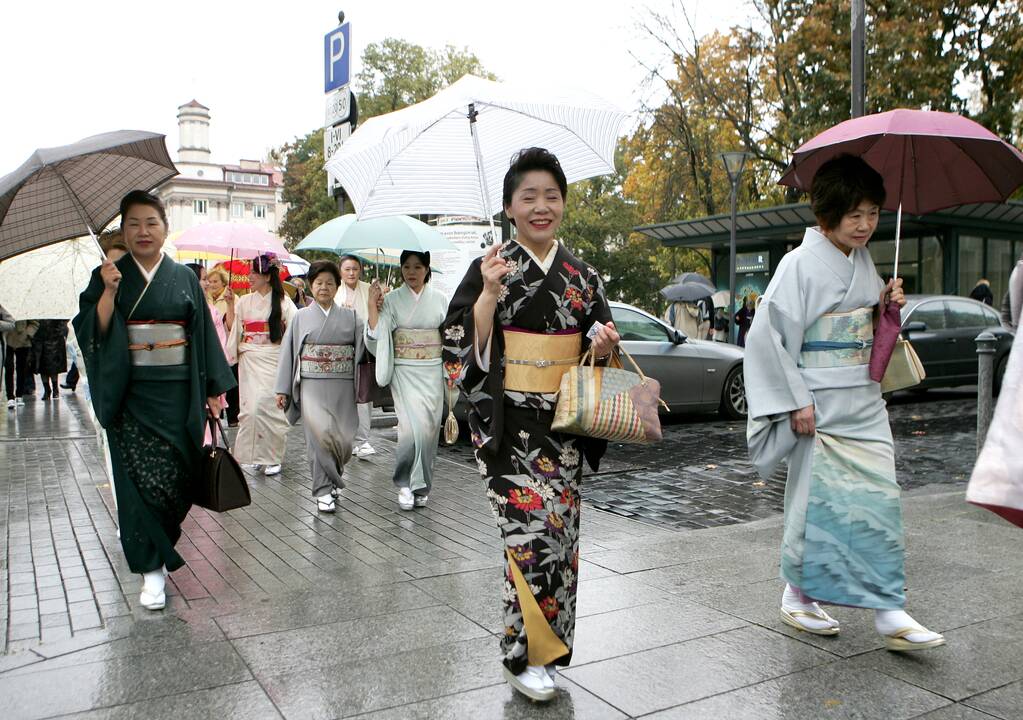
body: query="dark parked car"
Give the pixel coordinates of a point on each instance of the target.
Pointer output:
(695, 375)
(942, 329)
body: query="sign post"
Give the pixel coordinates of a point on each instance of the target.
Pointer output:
(340, 114)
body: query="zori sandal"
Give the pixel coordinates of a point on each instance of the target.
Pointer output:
(791, 618)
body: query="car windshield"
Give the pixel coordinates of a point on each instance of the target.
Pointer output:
(635, 326)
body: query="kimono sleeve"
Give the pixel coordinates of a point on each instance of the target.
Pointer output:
(285, 383)
(381, 342)
(459, 334)
(106, 356)
(774, 383)
(597, 308)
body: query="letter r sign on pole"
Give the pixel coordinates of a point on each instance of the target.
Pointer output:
(337, 57)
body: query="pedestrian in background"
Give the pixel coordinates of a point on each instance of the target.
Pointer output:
(49, 350)
(152, 358)
(316, 381)
(720, 325)
(6, 325)
(1012, 301)
(744, 319)
(404, 335)
(18, 362)
(522, 316)
(353, 293)
(219, 292)
(261, 318)
(218, 325)
(812, 402)
(982, 292)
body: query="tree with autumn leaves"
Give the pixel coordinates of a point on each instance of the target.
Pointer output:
(766, 87)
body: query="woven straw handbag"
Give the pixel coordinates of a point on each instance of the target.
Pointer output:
(904, 368)
(610, 403)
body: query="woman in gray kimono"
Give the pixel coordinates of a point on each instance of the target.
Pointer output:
(812, 402)
(316, 381)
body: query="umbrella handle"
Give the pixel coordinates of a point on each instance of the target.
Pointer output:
(898, 241)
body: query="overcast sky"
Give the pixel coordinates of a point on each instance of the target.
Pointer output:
(73, 69)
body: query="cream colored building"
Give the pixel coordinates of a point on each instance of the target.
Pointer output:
(249, 192)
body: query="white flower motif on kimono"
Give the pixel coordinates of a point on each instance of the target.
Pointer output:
(509, 592)
(482, 466)
(535, 589)
(513, 267)
(523, 436)
(569, 457)
(568, 577)
(503, 294)
(543, 489)
(496, 499)
(455, 333)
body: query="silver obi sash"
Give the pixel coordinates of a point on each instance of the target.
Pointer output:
(157, 343)
(839, 340)
(417, 344)
(327, 360)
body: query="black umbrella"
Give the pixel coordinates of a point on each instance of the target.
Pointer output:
(686, 292)
(66, 192)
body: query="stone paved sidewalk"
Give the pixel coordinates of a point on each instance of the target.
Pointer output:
(375, 613)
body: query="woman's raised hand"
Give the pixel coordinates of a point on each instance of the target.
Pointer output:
(110, 274)
(894, 293)
(605, 340)
(376, 295)
(494, 268)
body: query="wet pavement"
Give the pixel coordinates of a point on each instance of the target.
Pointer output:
(375, 613)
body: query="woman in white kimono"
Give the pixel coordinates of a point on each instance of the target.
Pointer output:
(261, 318)
(316, 381)
(812, 402)
(353, 292)
(405, 337)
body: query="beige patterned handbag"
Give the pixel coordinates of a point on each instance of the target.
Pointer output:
(610, 403)
(904, 369)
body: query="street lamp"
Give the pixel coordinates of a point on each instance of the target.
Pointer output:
(734, 163)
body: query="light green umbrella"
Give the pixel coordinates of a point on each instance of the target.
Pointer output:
(347, 235)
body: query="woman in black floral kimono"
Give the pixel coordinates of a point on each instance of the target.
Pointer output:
(521, 317)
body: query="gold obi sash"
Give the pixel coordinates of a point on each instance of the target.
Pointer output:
(839, 340)
(535, 362)
(155, 343)
(327, 360)
(417, 344)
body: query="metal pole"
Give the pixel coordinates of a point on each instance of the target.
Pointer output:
(733, 329)
(986, 344)
(859, 52)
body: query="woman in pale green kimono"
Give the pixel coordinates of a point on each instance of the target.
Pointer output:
(405, 337)
(812, 402)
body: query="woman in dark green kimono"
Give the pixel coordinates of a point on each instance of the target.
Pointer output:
(155, 363)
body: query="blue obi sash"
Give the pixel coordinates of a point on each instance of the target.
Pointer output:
(839, 340)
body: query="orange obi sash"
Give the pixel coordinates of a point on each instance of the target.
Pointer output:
(535, 362)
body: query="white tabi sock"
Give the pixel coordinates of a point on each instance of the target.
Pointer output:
(889, 622)
(791, 600)
(154, 582)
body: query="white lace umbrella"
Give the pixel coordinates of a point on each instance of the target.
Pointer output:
(449, 154)
(45, 283)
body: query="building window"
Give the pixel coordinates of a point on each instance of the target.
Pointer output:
(237, 209)
(200, 207)
(259, 211)
(248, 178)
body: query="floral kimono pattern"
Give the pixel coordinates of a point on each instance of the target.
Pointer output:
(532, 474)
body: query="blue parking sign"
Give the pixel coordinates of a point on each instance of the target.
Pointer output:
(337, 56)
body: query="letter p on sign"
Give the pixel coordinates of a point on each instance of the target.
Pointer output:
(337, 57)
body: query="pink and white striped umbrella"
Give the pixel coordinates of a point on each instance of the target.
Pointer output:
(238, 240)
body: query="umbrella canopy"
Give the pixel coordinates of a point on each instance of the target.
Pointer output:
(63, 192)
(694, 277)
(929, 160)
(44, 284)
(398, 232)
(686, 292)
(295, 265)
(721, 299)
(239, 240)
(434, 157)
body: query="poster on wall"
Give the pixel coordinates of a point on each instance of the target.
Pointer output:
(471, 241)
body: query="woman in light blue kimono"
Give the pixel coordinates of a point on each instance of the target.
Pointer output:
(405, 338)
(812, 403)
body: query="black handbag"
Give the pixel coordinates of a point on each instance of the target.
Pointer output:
(367, 390)
(221, 483)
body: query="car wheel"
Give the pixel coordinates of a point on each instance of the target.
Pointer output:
(733, 395)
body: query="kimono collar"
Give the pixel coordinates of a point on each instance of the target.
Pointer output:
(417, 295)
(326, 312)
(548, 262)
(149, 274)
(816, 240)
